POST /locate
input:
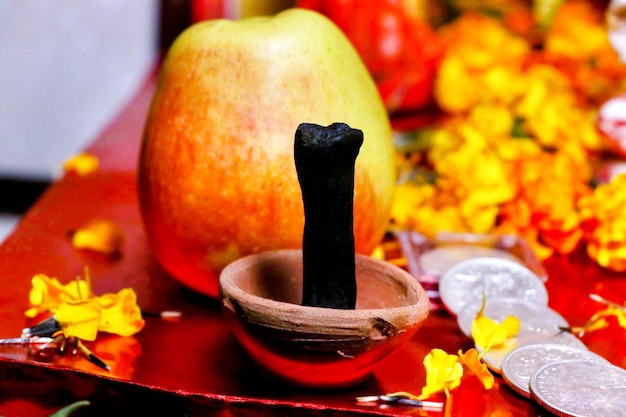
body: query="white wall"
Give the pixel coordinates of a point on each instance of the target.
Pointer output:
(66, 68)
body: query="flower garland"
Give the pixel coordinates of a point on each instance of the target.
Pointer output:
(517, 145)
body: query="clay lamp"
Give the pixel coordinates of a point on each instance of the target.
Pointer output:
(322, 316)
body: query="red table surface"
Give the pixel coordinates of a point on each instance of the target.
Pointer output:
(195, 366)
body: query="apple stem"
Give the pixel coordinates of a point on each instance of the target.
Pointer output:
(325, 159)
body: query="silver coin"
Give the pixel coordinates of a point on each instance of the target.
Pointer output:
(466, 281)
(519, 364)
(578, 388)
(529, 334)
(498, 309)
(438, 260)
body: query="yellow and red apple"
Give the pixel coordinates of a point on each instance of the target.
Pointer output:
(217, 179)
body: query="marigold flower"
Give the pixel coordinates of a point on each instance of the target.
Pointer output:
(82, 314)
(605, 223)
(480, 49)
(443, 373)
(516, 150)
(120, 314)
(82, 164)
(80, 318)
(577, 30)
(48, 293)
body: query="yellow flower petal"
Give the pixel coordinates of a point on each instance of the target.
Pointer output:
(47, 293)
(120, 313)
(472, 362)
(100, 235)
(82, 164)
(488, 333)
(443, 373)
(79, 319)
(598, 320)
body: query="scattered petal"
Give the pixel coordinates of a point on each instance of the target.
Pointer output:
(82, 164)
(488, 333)
(47, 293)
(443, 373)
(474, 365)
(120, 313)
(99, 235)
(79, 319)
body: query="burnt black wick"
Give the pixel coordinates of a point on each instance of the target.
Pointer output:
(325, 158)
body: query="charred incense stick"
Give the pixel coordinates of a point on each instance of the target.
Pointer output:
(325, 158)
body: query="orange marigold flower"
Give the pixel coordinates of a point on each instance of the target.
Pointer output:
(605, 223)
(577, 30)
(544, 211)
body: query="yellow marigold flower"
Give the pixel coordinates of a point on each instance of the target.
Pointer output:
(483, 42)
(80, 313)
(605, 223)
(82, 164)
(529, 117)
(47, 293)
(471, 361)
(443, 373)
(488, 333)
(481, 64)
(408, 196)
(79, 318)
(452, 90)
(100, 236)
(494, 121)
(120, 314)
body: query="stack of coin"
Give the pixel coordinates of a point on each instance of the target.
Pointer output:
(520, 364)
(538, 324)
(543, 361)
(578, 387)
(510, 289)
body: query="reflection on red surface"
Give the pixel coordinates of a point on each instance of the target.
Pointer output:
(195, 365)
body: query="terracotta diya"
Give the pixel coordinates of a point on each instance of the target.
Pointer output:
(322, 316)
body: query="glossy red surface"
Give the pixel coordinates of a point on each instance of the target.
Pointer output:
(194, 365)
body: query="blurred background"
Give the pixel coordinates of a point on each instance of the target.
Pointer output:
(67, 67)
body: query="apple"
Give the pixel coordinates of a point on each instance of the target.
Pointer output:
(216, 176)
